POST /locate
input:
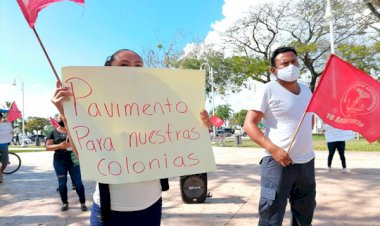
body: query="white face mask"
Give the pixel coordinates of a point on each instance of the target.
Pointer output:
(289, 74)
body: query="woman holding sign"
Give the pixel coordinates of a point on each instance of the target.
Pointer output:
(137, 203)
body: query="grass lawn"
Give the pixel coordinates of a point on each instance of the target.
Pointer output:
(28, 148)
(319, 144)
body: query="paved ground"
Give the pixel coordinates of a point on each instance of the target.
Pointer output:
(28, 197)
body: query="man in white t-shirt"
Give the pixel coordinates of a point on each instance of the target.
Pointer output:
(280, 105)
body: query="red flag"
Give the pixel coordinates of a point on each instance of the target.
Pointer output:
(53, 122)
(30, 8)
(13, 113)
(216, 121)
(347, 98)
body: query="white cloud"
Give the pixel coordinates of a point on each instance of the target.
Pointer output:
(36, 99)
(238, 101)
(189, 48)
(233, 10)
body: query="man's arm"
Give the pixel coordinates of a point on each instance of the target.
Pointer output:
(253, 131)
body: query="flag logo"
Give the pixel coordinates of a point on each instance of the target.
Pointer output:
(359, 99)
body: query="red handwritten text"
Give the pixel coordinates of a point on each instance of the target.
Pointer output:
(115, 168)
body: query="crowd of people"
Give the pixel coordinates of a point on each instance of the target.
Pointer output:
(286, 175)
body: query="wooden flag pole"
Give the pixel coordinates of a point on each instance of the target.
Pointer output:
(295, 133)
(47, 56)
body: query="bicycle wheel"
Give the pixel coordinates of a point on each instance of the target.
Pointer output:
(14, 163)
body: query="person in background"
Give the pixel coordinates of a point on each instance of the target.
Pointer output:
(64, 161)
(17, 139)
(137, 203)
(284, 175)
(4, 155)
(336, 140)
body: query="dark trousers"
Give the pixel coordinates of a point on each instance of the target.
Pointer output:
(4, 157)
(295, 182)
(150, 216)
(63, 165)
(336, 145)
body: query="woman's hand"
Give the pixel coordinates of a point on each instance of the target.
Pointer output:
(61, 94)
(205, 119)
(64, 145)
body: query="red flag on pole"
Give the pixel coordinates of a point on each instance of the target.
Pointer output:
(30, 8)
(53, 122)
(13, 113)
(347, 98)
(216, 121)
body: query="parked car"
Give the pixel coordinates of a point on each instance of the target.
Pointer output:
(41, 137)
(224, 132)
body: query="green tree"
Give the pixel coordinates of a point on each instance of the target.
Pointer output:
(222, 68)
(252, 39)
(302, 24)
(223, 111)
(36, 124)
(239, 117)
(364, 57)
(310, 34)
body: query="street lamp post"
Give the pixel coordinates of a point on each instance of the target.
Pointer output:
(23, 107)
(211, 72)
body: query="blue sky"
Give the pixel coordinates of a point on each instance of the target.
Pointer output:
(76, 35)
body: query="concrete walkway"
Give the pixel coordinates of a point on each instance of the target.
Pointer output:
(29, 196)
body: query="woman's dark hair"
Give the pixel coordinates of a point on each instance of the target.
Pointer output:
(281, 50)
(111, 58)
(1, 115)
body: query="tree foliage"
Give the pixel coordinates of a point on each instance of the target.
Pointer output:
(216, 60)
(238, 118)
(250, 42)
(302, 24)
(223, 111)
(36, 124)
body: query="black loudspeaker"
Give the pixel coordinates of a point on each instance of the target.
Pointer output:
(194, 188)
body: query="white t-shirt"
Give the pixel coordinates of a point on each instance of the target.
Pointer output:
(332, 134)
(133, 196)
(283, 111)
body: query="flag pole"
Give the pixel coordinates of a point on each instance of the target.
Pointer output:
(47, 55)
(329, 17)
(296, 132)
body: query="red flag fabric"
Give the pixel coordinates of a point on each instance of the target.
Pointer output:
(347, 98)
(13, 113)
(53, 122)
(216, 121)
(30, 8)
